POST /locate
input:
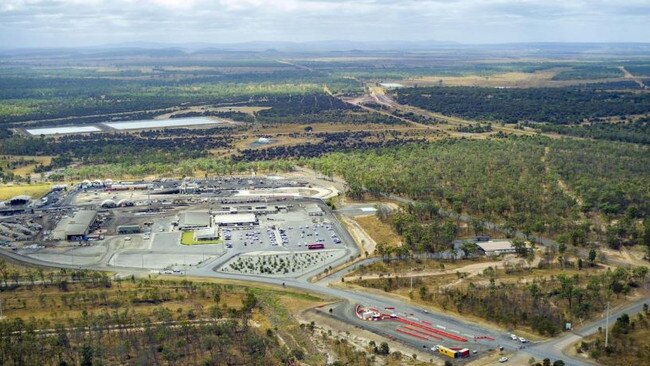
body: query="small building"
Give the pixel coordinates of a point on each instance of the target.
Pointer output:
(211, 233)
(496, 247)
(128, 229)
(75, 228)
(226, 210)
(194, 220)
(314, 210)
(240, 219)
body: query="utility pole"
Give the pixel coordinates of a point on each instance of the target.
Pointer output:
(607, 327)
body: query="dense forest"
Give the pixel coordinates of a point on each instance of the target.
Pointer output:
(580, 72)
(636, 131)
(525, 183)
(314, 108)
(554, 105)
(131, 148)
(330, 142)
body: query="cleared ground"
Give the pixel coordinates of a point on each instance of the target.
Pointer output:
(381, 232)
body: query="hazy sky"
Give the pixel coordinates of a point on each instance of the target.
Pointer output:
(30, 23)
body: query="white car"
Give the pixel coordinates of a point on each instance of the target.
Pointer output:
(513, 337)
(523, 340)
(503, 359)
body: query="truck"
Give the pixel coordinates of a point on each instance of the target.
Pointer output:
(446, 351)
(452, 352)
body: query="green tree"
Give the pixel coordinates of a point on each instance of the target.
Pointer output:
(592, 257)
(520, 247)
(87, 354)
(384, 349)
(4, 271)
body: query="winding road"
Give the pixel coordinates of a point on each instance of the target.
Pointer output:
(553, 348)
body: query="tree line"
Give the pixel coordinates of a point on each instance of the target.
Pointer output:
(554, 105)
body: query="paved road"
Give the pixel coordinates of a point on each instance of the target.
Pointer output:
(551, 349)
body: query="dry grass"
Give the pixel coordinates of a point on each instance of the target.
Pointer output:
(379, 231)
(34, 190)
(543, 78)
(25, 170)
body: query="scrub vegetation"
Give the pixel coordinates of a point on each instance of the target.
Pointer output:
(557, 188)
(81, 317)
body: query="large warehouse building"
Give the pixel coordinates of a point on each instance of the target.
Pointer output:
(75, 228)
(242, 219)
(191, 220)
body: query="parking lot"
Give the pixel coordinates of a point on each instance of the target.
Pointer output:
(289, 237)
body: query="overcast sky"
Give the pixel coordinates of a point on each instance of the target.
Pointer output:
(53, 23)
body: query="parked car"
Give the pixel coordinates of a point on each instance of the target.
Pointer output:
(503, 359)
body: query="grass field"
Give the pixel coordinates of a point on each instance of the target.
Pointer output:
(34, 190)
(188, 239)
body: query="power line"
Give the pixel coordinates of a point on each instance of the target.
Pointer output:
(607, 327)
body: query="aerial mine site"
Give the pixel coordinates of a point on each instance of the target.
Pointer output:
(326, 183)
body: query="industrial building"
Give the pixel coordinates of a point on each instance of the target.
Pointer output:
(240, 219)
(261, 209)
(191, 220)
(211, 233)
(75, 228)
(496, 247)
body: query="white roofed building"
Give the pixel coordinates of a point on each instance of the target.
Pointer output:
(194, 220)
(240, 219)
(211, 233)
(496, 247)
